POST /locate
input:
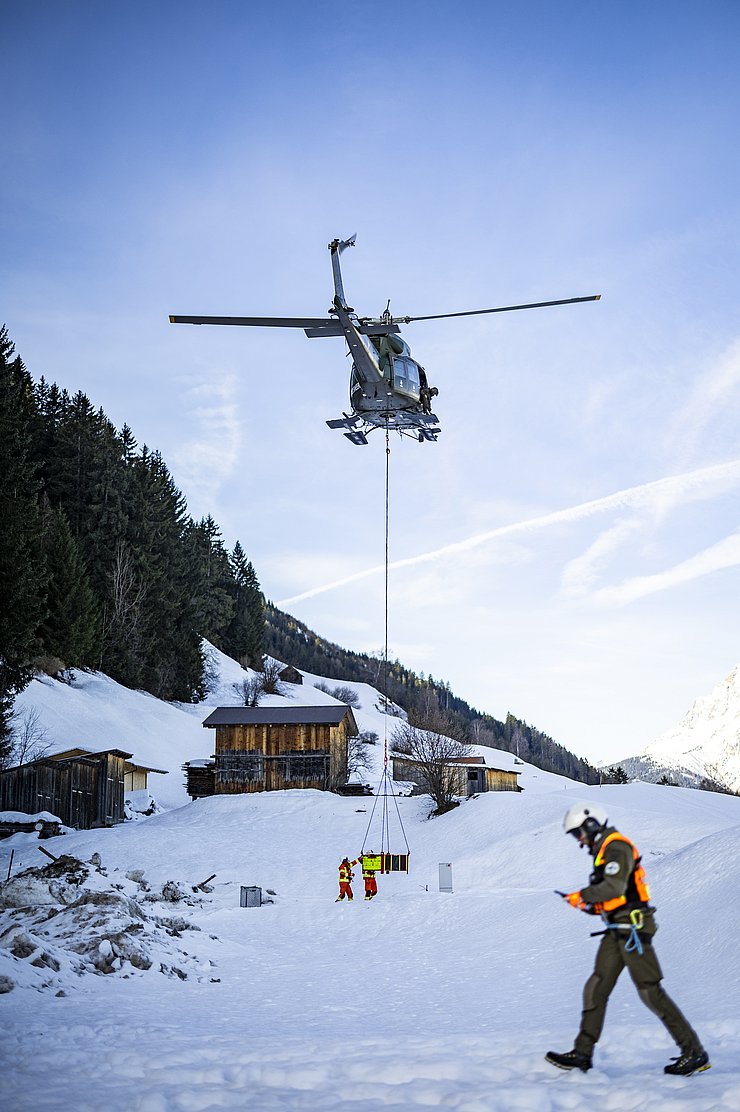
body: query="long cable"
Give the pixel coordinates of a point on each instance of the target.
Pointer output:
(385, 649)
(386, 780)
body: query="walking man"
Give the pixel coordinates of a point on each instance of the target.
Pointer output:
(618, 891)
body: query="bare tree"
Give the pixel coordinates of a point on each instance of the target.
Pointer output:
(124, 609)
(127, 591)
(342, 692)
(358, 756)
(29, 740)
(434, 741)
(250, 690)
(211, 673)
(270, 676)
(347, 695)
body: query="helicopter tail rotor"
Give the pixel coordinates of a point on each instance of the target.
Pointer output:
(339, 245)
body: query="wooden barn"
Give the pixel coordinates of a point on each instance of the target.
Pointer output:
(271, 748)
(290, 674)
(81, 788)
(470, 775)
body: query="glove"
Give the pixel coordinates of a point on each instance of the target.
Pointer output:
(574, 899)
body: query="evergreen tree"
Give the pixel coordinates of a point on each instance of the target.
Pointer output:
(245, 637)
(171, 654)
(212, 582)
(22, 569)
(70, 628)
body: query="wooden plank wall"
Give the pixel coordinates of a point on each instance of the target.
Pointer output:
(82, 792)
(498, 780)
(253, 740)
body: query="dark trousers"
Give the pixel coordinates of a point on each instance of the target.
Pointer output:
(646, 974)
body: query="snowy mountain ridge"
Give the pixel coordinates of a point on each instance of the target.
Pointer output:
(705, 744)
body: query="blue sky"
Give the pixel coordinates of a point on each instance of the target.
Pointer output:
(186, 158)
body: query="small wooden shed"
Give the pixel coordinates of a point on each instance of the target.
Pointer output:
(82, 788)
(83, 791)
(272, 748)
(290, 674)
(471, 775)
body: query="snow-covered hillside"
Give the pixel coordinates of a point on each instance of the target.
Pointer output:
(94, 712)
(704, 745)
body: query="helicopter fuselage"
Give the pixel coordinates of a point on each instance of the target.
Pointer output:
(388, 388)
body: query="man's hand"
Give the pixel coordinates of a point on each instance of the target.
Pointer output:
(575, 900)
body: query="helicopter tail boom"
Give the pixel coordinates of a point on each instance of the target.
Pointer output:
(336, 247)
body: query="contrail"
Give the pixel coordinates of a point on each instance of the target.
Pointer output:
(644, 496)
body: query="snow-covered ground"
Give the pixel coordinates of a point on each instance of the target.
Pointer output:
(129, 989)
(419, 999)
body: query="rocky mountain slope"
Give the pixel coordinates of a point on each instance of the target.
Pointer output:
(703, 746)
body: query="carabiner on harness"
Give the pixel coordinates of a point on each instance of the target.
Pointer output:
(633, 941)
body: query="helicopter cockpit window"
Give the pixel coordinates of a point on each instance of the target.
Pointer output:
(406, 376)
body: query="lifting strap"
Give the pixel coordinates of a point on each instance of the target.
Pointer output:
(390, 862)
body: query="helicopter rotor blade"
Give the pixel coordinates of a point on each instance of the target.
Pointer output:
(501, 309)
(260, 322)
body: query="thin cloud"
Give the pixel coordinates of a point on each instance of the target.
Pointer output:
(703, 483)
(724, 554)
(580, 573)
(715, 395)
(208, 459)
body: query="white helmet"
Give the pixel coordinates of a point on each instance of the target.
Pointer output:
(588, 818)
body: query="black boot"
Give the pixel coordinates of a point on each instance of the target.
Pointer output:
(572, 1060)
(696, 1061)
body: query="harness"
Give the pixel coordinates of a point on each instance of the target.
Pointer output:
(637, 896)
(634, 942)
(637, 887)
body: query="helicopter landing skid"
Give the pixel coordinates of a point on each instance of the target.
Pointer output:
(357, 435)
(354, 435)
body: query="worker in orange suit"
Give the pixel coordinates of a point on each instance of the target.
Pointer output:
(368, 875)
(345, 878)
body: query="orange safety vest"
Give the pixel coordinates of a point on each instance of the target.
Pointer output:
(641, 889)
(345, 873)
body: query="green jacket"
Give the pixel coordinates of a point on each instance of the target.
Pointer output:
(613, 878)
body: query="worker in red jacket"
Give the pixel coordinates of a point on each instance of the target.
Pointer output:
(345, 877)
(368, 875)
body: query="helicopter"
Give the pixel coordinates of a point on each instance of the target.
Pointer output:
(388, 389)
